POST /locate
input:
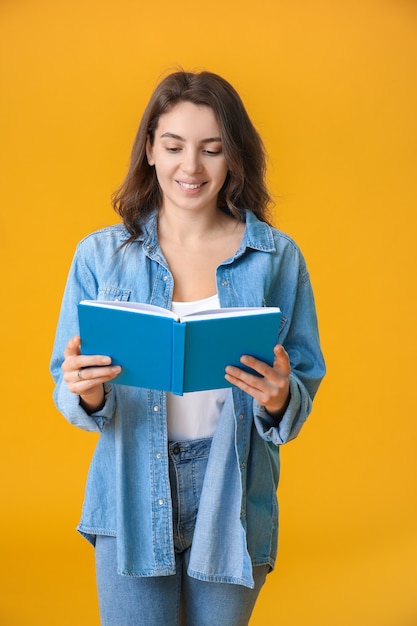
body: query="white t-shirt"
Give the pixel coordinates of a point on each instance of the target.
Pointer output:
(194, 415)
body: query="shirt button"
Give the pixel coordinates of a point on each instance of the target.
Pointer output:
(241, 416)
(156, 408)
(224, 283)
(165, 278)
(148, 247)
(159, 455)
(160, 502)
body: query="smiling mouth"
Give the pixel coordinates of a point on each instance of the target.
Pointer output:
(190, 185)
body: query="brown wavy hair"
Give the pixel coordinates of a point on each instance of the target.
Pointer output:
(244, 187)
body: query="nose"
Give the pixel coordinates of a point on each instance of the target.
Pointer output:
(191, 162)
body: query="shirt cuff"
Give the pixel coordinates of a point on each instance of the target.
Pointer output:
(68, 404)
(288, 426)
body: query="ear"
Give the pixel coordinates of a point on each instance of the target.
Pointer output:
(149, 152)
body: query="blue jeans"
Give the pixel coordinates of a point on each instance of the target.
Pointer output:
(177, 599)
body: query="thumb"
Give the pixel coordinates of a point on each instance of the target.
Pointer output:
(73, 347)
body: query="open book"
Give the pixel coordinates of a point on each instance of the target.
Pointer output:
(158, 350)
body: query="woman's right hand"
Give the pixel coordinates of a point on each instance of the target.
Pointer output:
(85, 374)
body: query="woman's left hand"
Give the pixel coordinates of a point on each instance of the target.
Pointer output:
(273, 389)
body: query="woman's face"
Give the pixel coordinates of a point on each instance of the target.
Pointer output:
(188, 158)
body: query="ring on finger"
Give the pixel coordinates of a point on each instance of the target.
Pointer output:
(79, 373)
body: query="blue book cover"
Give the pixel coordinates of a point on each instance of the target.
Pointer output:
(158, 350)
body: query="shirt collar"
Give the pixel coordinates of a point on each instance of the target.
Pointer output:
(258, 235)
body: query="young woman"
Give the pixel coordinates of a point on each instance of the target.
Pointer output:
(181, 495)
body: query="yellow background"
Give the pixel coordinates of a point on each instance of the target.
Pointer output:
(331, 86)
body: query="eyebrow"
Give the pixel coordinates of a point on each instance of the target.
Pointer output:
(179, 138)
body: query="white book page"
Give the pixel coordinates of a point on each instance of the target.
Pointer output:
(138, 307)
(151, 309)
(230, 312)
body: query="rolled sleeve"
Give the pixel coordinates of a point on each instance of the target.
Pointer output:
(80, 285)
(291, 422)
(68, 404)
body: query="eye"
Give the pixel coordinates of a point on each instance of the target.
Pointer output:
(172, 149)
(212, 152)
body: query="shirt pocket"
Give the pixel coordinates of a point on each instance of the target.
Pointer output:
(115, 294)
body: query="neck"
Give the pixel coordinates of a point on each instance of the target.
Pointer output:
(185, 226)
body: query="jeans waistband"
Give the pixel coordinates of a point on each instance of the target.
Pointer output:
(193, 449)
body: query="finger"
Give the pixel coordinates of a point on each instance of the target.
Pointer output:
(259, 392)
(244, 380)
(72, 363)
(281, 358)
(94, 374)
(271, 389)
(255, 364)
(280, 365)
(84, 374)
(272, 397)
(73, 347)
(85, 380)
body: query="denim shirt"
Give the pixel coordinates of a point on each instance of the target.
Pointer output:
(128, 491)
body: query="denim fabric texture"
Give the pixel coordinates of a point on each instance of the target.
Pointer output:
(187, 467)
(128, 489)
(170, 600)
(127, 601)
